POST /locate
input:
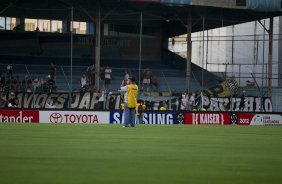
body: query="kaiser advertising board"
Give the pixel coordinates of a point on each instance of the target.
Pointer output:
(148, 118)
(87, 117)
(19, 116)
(207, 118)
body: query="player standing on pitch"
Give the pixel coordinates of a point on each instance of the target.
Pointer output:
(130, 102)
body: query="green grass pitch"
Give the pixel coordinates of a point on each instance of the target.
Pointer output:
(157, 154)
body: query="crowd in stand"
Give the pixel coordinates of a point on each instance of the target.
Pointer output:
(187, 102)
(10, 82)
(148, 80)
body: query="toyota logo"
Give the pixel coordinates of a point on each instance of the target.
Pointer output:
(56, 118)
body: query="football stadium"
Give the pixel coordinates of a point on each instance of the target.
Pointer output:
(140, 91)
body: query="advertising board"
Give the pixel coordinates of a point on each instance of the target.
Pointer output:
(149, 118)
(207, 118)
(259, 119)
(88, 117)
(19, 116)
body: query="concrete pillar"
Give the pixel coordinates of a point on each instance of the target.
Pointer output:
(98, 50)
(90, 28)
(66, 26)
(189, 52)
(20, 22)
(280, 53)
(270, 53)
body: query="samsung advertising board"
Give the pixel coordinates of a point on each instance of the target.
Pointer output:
(148, 118)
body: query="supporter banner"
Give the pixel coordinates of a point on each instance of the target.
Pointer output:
(259, 119)
(248, 104)
(207, 118)
(226, 88)
(86, 100)
(19, 116)
(149, 118)
(87, 117)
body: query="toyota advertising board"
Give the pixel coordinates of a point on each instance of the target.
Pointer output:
(19, 116)
(207, 118)
(88, 117)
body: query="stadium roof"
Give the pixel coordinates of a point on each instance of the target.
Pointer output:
(172, 18)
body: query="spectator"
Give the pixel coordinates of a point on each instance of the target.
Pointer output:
(176, 106)
(111, 101)
(155, 82)
(184, 100)
(126, 75)
(102, 73)
(50, 104)
(18, 83)
(2, 82)
(123, 83)
(242, 102)
(42, 82)
(192, 102)
(53, 71)
(9, 83)
(51, 83)
(164, 106)
(84, 82)
(13, 84)
(3, 100)
(189, 103)
(13, 100)
(37, 29)
(9, 71)
(91, 74)
(36, 84)
(101, 100)
(26, 83)
(147, 74)
(140, 109)
(108, 77)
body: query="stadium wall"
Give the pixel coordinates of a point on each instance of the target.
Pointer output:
(160, 117)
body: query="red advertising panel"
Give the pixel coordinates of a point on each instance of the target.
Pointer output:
(245, 118)
(19, 116)
(207, 118)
